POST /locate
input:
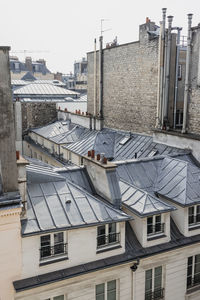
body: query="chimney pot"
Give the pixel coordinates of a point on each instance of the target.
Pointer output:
(93, 154)
(89, 153)
(17, 155)
(105, 160)
(98, 156)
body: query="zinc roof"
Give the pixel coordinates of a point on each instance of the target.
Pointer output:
(179, 181)
(141, 202)
(43, 89)
(55, 203)
(54, 129)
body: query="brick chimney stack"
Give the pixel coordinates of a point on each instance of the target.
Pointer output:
(8, 164)
(28, 63)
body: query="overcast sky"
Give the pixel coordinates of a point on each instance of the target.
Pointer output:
(66, 29)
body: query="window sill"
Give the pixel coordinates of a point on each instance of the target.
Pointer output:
(193, 227)
(155, 237)
(193, 289)
(102, 250)
(52, 260)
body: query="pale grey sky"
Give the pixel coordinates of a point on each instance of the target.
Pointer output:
(66, 29)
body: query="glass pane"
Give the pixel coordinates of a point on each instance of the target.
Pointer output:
(111, 290)
(158, 278)
(112, 227)
(150, 220)
(101, 237)
(101, 230)
(191, 210)
(59, 297)
(58, 238)
(45, 250)
(149, 228)
(197, 258)
(158, 271)
(198, 209)
(45, 240)
(190, 260)
(158, 219)
(100, 292)
(148, 281)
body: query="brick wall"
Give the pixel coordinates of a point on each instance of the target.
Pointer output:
(130, 78)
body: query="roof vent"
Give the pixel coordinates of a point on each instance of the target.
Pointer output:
(68, 201)
(124, 140)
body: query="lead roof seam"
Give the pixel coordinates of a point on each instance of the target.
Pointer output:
(47, 205)
(86, 196)
(179, 181)
(62, 205)
(131, 147)
(163, 169)
(76, 203)
(32, 206)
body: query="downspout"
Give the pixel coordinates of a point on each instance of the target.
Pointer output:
(161, 70)
(100, 78)
(187, 73)
(176, 80)
(159, 79)
(95, 82)
(165, 116)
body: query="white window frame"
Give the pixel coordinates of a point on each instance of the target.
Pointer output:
(109, 245)
(53, 297)
(193, 269)
(106, 288)
(196, 224)
(52, 244)
(154, 223)
(153, 279)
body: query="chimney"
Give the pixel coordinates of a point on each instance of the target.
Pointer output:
(28, 63)
(104, 178)
(7, 131)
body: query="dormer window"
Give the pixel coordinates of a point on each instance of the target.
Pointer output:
(107, 235)
(194, 216)
(52, 245)
(154, 226)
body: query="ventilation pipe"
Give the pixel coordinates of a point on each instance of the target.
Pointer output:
(161, 68)
(95, 78)
(100, 77)
(187, 73)
(176, 80)
(166, 97)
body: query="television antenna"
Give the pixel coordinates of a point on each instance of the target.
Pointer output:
(104, 20)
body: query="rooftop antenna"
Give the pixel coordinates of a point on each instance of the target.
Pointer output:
(103, 20)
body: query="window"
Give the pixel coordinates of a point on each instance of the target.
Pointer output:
(106, 291)
(179, 117)
(52, 245)
(153, 284)
(194, 215)
(193, 271)
(107, 235)
(154, 225)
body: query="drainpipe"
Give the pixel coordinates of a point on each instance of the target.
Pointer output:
(187, 73)
(161, 69)
(100, 78)
(176, 80)
(95, 78)
(165, 116)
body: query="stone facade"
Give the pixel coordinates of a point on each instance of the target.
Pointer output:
(37, 114)
(194, 95)
(130, 78)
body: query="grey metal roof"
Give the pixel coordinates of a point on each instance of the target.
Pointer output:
(54, 203)
(70, 136)
(28, 76)
(54, 129)
(110, 142)
(134, 251)
(40, 81)
(179, 181)
(10, 200)
(43, 89)
(141, 202)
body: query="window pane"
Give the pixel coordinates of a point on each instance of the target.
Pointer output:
(112, 227)
(150, 220)
(111, 290)
(191, 215)
(58, 238)
(101, 235)
(100, 292)
(45, 240)
(101, 230)
(45, 250)
(158, 278)
(148, 281)
(158, 219)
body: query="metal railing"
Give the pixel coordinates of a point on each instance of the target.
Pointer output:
(155, 295)
(155, 229)
(105, 240)
(49, 251)
(193, 281)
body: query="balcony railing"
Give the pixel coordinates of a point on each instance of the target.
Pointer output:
(50, 251)
(194, 220)
(155, 229)
(106, 240)
(193, 281)
(155, 295)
